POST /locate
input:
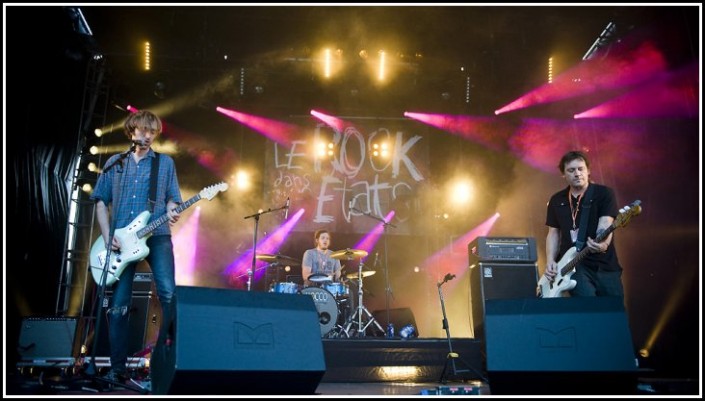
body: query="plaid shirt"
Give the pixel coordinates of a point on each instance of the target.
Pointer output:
(126, 185)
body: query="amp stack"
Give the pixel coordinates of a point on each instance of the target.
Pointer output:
(500, 268)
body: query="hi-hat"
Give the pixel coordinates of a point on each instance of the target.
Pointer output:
(348, 254)
(280, 259)
(365, 273)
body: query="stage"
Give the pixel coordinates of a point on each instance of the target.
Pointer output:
(355, 366)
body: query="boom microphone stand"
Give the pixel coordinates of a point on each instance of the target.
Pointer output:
(256, 216)
(388, 288)
(91, 370)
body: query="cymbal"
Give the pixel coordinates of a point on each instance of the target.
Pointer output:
(280, 259)
(348, 254)
(366, 273)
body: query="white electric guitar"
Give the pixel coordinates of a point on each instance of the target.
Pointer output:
(566, 266)
(133, 239)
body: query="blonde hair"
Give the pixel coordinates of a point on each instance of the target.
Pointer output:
(144, 120)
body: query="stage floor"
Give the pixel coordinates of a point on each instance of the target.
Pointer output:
(353, 367)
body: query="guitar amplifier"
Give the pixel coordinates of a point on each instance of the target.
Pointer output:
(502, 249)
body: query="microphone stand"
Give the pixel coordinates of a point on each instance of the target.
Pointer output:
(256, 216)
(388, 288)
(91, 368)
(452, 356)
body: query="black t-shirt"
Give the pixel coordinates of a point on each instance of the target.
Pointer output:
(602, 203)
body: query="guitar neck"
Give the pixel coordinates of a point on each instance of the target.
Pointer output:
(585, 251)
(165, 217)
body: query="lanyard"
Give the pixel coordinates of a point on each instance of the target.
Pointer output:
(574, 213)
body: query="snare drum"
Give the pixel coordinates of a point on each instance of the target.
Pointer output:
(339, 290)
(285, 288)
(325, 305)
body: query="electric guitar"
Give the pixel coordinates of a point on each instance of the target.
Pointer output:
(133, 239)
(566, 266)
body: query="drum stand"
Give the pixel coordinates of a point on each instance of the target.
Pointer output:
(359, 312)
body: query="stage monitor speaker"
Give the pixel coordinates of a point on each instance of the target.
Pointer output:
(399, 317)
(563, 345)
(492, 280)
(239, 342)
(145, 318)
(44, 338)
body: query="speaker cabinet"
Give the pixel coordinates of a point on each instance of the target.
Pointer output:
(559, 346)
(239, 342)
(44, 338)
(492, 280)
(145, 318)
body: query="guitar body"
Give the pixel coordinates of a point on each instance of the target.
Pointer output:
(566, 266)
(133, 249)
(133, 239)
(561, 282)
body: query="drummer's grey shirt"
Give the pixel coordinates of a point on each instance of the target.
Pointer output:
(321, 262)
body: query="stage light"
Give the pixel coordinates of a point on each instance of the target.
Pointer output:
(321, 152)
(159, 89)
(147, 56)
(326, 63)
(461, 193)
(603, 40)
(242, 180)
(381, 74)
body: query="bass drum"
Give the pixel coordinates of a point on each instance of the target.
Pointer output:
(326, 306)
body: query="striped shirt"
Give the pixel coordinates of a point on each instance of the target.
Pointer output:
(126, 186)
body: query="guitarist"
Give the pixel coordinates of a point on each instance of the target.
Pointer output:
(125, 185)
(599, 273)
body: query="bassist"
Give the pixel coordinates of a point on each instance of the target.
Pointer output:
(599, 273)
(128, 184)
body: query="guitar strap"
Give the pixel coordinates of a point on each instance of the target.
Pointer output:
(582, 231)
(153, 183)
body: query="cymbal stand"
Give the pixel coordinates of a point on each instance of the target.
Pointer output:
(388, 288)
(256, 216)
(360, 310)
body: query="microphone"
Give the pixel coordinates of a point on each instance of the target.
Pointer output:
(286, 213)
(137, 142)
(448, 277)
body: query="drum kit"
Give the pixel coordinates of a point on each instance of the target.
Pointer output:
(332, 299)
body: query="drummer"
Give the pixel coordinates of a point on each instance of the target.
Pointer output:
(318, 263)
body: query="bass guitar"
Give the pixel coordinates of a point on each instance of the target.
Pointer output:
(566, 266)
(133, 239)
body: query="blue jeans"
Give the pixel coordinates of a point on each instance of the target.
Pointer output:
(161, 261)
(597, 283)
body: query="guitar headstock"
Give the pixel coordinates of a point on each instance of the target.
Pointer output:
(626, 213)
(211, 191)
